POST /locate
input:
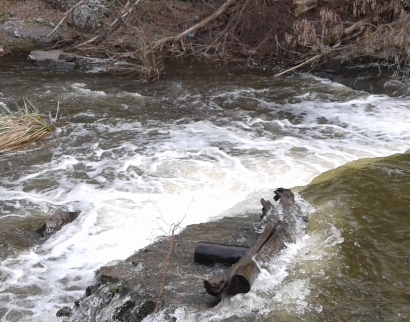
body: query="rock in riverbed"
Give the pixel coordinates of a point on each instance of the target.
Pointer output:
(21, 36)
(53, 59)
(55, 222)
(128, 290)
(164, 276)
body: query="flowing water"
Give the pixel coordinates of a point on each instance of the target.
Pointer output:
(202, 143)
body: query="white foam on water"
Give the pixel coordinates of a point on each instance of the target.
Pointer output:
(130, 190)
(80, 88)
(125, 94)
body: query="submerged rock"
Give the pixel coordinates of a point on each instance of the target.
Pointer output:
(55, 222)
(53, 59)
(64, 311)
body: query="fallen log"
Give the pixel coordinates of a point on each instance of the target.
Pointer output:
(211, 253)
(240, 277)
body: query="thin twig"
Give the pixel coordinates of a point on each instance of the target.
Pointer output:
(300, 65)
(88, 41)
(172, 242)
(125, 12)
(164, 274)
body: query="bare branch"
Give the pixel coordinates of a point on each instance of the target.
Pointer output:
(196, 27)
(300, 65)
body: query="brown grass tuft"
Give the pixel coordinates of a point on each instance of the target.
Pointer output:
(22, 127)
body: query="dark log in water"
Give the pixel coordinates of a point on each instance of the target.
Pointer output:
(211, 253)
(240, 277)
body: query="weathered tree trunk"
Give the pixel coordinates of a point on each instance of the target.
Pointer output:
(240, 277)
(211, 253)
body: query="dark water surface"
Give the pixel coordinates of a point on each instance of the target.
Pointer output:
(205, 142)
(369, 202)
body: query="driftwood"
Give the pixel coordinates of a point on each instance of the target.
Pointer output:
(240, 277)
(211, 253)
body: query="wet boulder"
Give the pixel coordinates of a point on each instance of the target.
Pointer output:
(64, 311)
(55, 59)
(55, 222)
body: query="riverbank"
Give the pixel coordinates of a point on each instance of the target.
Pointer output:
(141, 35)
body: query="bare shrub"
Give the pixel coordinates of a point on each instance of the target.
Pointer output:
(140, 33)
(374, 29)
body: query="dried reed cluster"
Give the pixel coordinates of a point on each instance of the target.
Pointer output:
(21, 127)
(370, 28)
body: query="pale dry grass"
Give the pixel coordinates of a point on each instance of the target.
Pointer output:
(21, 127)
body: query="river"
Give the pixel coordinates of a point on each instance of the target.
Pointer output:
(201, 143)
